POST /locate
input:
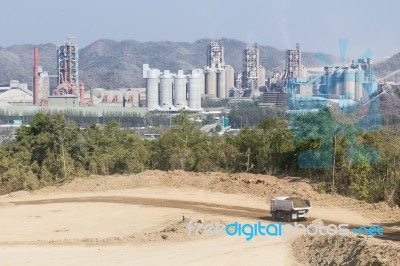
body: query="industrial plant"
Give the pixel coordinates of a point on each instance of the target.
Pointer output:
(69, 93)
(343, 85)
(172, 91)
(254, 74)
(166, 92)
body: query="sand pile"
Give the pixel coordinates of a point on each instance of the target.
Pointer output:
(346, 250)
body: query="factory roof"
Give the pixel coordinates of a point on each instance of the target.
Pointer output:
(16, 95)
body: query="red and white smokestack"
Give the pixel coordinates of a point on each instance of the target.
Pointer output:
(82, 94)
(36, 76)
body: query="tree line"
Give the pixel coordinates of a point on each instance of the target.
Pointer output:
(359, 159)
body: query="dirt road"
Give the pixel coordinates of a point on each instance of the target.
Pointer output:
(117, 229)
(142, 220)
(202, 207)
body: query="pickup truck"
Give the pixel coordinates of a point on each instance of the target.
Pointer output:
(290, 208)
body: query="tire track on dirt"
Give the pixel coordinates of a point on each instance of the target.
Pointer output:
(202, 207)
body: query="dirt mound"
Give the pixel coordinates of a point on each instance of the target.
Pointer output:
(299, 203)
(258, 185)
(345, 250)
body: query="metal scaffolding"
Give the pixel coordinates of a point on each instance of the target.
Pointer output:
(251, 63)
(293, 62)
(67, 69)
(215, 55)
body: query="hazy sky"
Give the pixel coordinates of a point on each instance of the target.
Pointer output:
(315, 24)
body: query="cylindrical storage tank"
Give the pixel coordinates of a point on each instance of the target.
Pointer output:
(351, 86)
(152, 89)
(211, 82)
(261, 77)
(359, 78)
(338, 84)
(221, 84)
(230, 78)
(166, 90)
(202, 82)
(194, 95)
(329, 81)
(180, 91)
(346, 78)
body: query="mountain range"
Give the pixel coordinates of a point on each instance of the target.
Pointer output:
(118, 64)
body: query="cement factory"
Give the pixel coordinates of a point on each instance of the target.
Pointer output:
(171, 92)
(166, 92)
(69, 92)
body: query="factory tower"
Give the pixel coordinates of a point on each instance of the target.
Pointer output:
(251, 67)
(67, 69)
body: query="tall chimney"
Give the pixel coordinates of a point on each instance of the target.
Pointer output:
(82, 94)
(36, 76)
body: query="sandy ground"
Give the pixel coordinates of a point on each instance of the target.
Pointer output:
(142, 220)
(222, 251)
(96, 233)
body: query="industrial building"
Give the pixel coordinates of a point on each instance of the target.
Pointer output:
(67, 69)
(17, 100)
(218, 77)
(15, 93)
(215, 55)
(126, 97)
(344, 85)
(253, 75)
(66, 93)
(293, 62)
(171, 92)
(218, 81)
(41, 82)
(70, 92)
(166, 91)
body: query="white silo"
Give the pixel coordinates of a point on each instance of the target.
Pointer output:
(230, 77)
(202, 82)
(194, 95)
(338, 84)
(211, 82)
(350, 84)
(180, 90)
(221, 83)
(166, 90)
(152, 89)
(346, 81)
(359, 79)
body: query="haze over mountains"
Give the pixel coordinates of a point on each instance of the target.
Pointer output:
(110, 64)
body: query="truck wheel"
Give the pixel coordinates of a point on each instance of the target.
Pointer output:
(273, 216)
(288, 218)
